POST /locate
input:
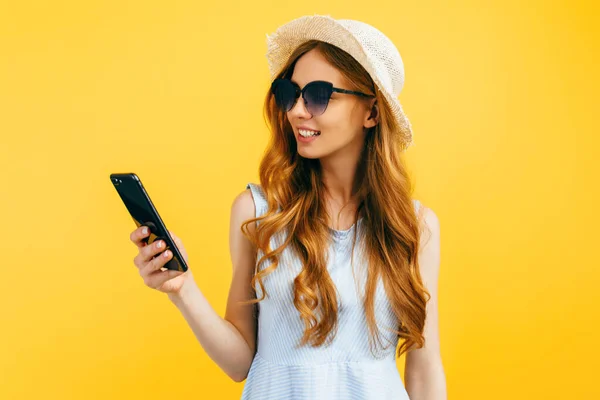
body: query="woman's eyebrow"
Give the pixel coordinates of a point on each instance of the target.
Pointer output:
(296, 83)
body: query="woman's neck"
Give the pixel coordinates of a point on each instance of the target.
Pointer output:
(340, 174)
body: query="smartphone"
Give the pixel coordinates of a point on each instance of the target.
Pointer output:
(142, 210)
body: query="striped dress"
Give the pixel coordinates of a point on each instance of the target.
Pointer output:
(344, 369)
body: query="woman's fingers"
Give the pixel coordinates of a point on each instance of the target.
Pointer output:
(157, 262)
(152, 257)
(138, 236)
(151, 250)
(146, 253)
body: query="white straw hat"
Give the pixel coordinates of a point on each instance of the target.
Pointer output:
(370, 47)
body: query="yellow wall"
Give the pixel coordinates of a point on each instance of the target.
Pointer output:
(503, 98)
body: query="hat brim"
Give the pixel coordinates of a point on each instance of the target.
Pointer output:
(282, 43)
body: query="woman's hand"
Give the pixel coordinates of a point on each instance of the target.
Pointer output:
(152, 257)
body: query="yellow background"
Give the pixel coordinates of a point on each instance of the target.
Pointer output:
(503, 97)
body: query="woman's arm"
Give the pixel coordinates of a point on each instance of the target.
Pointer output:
(424, 375)
(231, 341)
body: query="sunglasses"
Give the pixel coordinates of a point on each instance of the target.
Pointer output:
(316, 95)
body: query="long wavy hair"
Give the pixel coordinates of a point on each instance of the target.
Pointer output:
(295, 195)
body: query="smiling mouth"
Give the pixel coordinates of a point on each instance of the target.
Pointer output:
(307, 133)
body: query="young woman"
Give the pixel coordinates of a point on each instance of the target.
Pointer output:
(333, 262)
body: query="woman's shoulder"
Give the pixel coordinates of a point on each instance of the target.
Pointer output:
(243, 205)
(426, 217)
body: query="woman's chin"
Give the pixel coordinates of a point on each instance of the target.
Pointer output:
(309, 153)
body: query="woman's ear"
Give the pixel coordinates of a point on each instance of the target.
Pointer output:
(373, 118)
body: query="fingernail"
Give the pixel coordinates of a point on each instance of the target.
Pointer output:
(159, 244)
(145, 231)
(166, 253)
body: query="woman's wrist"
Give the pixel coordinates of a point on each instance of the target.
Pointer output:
(184, 293)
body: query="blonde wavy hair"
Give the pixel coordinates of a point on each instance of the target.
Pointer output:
(295, 196)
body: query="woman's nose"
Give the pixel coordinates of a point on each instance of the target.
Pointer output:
(299, 109)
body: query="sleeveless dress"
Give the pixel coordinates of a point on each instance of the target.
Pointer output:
(346, 368)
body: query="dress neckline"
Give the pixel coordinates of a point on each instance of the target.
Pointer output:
(343, 233)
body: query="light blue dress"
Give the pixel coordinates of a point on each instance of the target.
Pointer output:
(345, 369)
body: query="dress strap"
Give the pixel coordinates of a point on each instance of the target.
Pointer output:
(260, 200)
(417, 205)
(418, 209)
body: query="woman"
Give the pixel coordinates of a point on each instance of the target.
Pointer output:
(333, 262)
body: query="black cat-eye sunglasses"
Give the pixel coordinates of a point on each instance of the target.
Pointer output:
(316, 95)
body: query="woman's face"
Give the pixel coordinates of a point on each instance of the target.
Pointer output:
(342, 126)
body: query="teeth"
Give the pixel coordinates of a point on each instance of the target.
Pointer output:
(306, 133)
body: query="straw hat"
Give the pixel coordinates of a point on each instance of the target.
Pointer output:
(370, 47)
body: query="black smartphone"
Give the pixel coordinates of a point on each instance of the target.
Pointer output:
(142, 210)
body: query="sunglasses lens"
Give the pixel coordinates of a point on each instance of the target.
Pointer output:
(285, 94)
(316, 97)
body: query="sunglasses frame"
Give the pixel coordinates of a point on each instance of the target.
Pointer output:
(302, 91)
